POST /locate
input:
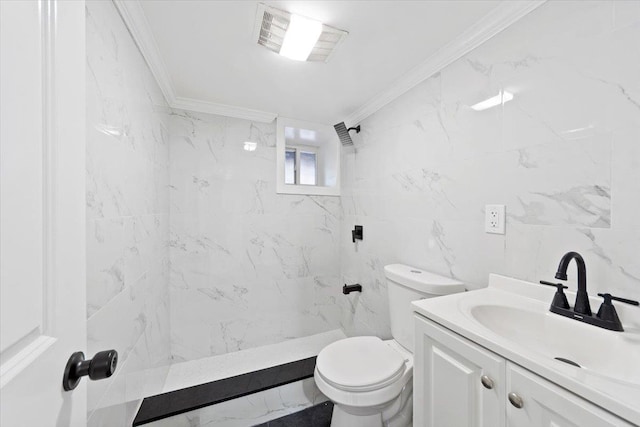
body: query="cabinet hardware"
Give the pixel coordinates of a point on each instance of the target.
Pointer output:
(516, 400)
(486, 382)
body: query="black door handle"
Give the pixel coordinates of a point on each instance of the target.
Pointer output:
(103, 365)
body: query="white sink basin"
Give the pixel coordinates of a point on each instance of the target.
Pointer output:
(511, 318)
(610, 354)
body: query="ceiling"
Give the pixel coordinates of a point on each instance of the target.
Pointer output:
(210, 54)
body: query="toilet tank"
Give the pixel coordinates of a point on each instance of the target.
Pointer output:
(406, 284)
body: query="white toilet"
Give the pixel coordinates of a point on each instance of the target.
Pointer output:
(370, 380)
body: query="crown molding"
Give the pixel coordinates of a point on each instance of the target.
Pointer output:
(500, 18)
(136, 22)
(222, 110)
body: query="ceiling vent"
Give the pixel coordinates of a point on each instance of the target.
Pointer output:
(274, 29)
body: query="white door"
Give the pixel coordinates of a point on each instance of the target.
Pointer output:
(456, 382)
(536, 402)
(42, 210)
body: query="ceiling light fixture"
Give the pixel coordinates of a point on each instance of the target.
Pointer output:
(294, 36)
(501, 98)
(250, 146)
(300, 38)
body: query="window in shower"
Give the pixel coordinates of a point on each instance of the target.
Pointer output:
(307, 159)
(301, 166)
(308, 164)
(290, 166)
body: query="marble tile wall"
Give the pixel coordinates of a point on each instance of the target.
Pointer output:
(127, 218)
(244, 267)
(249, 267)
(563, 156)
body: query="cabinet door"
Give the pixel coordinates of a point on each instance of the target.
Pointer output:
(448, 389)
(545, 404)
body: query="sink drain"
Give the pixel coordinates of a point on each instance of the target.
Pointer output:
(570, 362)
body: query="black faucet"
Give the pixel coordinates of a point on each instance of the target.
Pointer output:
(582, 298)
(605, 318)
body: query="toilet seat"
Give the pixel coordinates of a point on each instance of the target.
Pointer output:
(360, 364)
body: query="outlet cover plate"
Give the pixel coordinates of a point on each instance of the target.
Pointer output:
(494, 219)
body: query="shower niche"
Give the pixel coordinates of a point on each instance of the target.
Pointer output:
(308, 158)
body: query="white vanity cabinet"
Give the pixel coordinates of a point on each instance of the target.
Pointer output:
(545, 404)
(456, 383)
(459, 383)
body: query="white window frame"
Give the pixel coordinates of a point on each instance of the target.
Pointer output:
(281, 146)
(297, 149)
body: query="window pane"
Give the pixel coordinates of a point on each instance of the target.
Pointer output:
(290, 167)
(307, 168)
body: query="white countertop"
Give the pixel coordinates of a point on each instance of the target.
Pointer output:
(618, 396)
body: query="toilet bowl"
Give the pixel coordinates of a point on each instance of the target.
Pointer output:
(370, 381)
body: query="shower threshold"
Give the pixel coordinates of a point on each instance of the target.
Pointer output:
(230, 388)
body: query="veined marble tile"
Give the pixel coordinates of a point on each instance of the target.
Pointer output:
(194, 372)
(187, 206)
(105, 263)
(201, 332)
(134, 379)
(562, 156)
(244, 260)
(127, 212)
(626, 13)
(146, 243)
(214, 144)
(625, 180)
(570, 184)
(535, 251)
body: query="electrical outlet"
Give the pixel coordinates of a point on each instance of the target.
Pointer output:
(494, 216)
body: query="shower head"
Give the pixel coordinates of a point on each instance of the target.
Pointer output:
(343, 133)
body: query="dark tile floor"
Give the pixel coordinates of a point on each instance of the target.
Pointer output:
(165, 405)
(315, 416)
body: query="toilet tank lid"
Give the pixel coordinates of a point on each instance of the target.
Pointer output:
(421, 280)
